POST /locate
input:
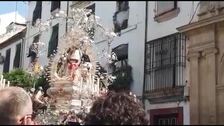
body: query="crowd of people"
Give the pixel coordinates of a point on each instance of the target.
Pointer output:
(114, 108)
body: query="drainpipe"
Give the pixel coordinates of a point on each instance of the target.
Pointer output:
(23, 53)
(146, 32)
(66, 27)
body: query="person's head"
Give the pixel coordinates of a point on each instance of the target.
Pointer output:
(116, 109)
(15, 106)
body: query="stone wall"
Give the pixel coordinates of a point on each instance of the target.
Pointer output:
(205, 56)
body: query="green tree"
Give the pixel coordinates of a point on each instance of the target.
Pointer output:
(123, 79)
(42, 82)
(19, 77)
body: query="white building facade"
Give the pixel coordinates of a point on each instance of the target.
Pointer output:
(47, 37)
(11, 47)
(12, 34)
(133, 35)
(166, 69)
(156, 52)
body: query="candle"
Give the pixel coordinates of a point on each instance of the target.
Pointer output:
(8, 84)
(98, 85)
(91, 85)
(1, 81)
(81, 83)
(94, 86)
(3, 84)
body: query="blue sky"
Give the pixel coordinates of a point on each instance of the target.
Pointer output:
(10, 6)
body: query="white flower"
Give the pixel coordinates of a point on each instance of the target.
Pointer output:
(91, 41)
(41, 43)
(47, 23)
(109, 56)
(113, 77)
(57, 15)
(97, 17)
(61, 12)
(42, 28)
(113, 34)
(86, 19)
(78, 10)
(86, 38)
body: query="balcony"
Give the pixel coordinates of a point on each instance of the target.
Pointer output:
(165, 68)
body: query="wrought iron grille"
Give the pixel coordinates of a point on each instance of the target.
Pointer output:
(165, 62)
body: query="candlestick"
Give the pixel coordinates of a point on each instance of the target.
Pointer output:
(8, 83)
(3, 84)
(1, 81)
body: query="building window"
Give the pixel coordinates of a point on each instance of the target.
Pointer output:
(7, 61)
(37, 12)
(2, 59)
(165, 62)
(53, 43)
(33, 50)
(166, 10)
(120, 18)
(91, 32)
(17, 57)
(165, 6)
(55, 5)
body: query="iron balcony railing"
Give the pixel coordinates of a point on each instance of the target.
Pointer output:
(165, 62)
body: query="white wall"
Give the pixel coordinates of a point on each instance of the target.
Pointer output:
(12, 54)
(158, 30)
(45, 36)
(135, 37)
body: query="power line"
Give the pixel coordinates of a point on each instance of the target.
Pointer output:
(194, 12)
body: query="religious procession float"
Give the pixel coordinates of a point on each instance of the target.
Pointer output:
(71, 72)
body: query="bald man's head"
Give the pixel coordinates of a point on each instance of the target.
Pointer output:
(15, 103)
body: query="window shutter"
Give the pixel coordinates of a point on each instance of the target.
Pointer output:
(55, 5)
(7, 61)
(17, 58)
(37, 12)
(53, 43)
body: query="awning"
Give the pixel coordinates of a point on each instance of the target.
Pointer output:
(121, 51)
